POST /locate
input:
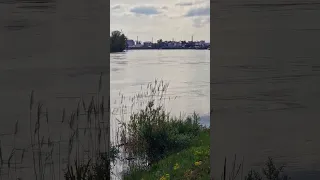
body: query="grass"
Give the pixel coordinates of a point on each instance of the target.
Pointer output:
(270, 171)
(84, 130)
(190, 163)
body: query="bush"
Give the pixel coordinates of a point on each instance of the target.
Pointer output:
(153, 134)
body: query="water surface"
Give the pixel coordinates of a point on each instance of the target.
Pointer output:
(186, 71)
(265, 84)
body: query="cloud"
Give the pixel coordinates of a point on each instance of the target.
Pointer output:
(145, 10)
(117, 6)
(198, 11)
(164, 7)
(184, 4)
(191, 3)
(199, 22)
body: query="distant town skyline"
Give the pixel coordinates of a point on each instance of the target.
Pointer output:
(161, 19)
(175, 40)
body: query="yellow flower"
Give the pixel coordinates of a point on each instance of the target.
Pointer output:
(176, 166)
(165, 177)
(198, 163)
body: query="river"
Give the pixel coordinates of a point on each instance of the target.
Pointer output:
(265, 80)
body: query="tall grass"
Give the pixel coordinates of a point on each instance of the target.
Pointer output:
(84, 130)
(270, 171)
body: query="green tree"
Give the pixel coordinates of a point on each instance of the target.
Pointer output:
(118, 41)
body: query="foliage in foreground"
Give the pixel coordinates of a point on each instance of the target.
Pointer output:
(269, 172)
(190, 163)
(152, 133)
(79, 150)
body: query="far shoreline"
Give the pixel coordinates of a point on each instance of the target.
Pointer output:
(156, 49)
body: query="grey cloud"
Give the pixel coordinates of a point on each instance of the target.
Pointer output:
(165, 7)
(145, 10)
(117, 6)
(188, 3)
(200, 22)
(184, 4)
(199, 11)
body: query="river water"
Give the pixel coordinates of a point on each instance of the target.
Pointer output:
(186, 71)
(265, 80)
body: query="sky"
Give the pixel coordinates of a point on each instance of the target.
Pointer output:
(161, 19)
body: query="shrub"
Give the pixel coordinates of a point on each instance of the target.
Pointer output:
(152, 133)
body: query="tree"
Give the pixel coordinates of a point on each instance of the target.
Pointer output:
(159, 43)
(118, 42)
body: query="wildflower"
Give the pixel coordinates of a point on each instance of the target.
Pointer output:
(176, 166)
(198, 163)
(165, 177)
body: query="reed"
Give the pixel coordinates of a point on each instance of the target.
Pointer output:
(269, 172)
(86, 143)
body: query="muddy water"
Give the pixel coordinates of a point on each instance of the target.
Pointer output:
(265, 79)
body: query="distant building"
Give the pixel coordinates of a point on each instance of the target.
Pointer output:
(130, 43)
(147, 44)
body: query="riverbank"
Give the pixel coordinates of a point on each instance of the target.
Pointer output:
(191, 163)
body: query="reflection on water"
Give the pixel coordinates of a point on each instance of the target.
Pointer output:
(265, 85)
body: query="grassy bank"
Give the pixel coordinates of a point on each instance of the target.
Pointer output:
(189, 163)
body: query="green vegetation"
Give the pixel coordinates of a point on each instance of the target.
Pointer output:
(190, 163)
(118, 41)
(153, 134)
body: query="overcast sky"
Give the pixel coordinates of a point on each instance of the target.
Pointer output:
(166, 19)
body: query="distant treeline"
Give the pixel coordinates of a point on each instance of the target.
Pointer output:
(118, 41)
